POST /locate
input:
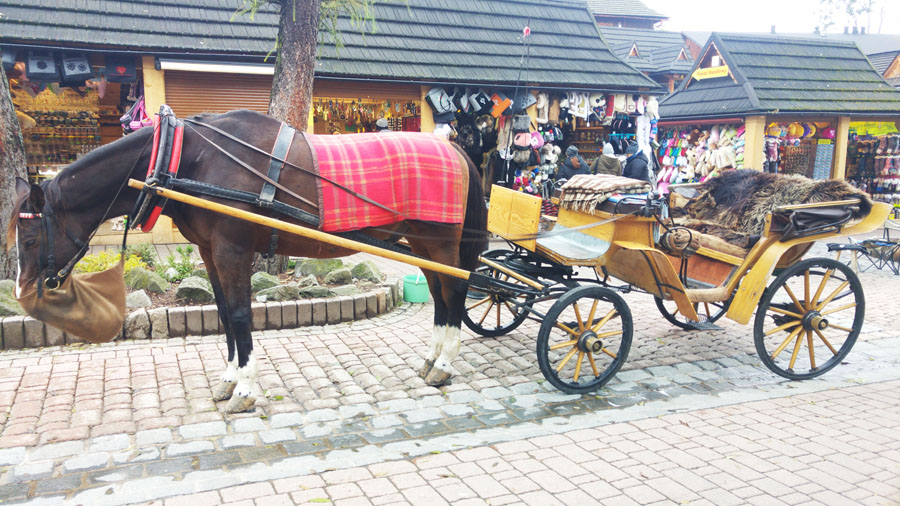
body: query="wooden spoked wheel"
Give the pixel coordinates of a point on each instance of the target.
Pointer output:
(809, 318)
(493, 314)
(708, 312)
(584, 339)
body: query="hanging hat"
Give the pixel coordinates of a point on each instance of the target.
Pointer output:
(543, 108)
(501, 104)
(524, 100)
(441, 106)
(479, 101)
(597, 100)
(828, 133)
(619, 103)
(537, 140)
(630, 106)
(795, 130)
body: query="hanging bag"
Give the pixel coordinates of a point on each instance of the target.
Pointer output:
(136, 117)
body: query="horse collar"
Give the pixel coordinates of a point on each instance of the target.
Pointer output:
(165, 159)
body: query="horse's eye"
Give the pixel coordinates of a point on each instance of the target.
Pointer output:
(29, 243)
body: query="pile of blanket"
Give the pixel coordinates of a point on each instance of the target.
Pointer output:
(584, 192)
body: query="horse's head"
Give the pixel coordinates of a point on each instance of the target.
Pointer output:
(43, 245)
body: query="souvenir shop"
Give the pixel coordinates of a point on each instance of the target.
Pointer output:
(522, 142)
(873, 160)
(333, 115)
(695, 152)
(68, 103)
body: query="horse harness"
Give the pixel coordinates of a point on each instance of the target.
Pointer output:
(165, 160)
(47, 257)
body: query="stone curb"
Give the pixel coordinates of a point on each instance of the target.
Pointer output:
(19, 332)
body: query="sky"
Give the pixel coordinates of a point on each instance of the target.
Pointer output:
(788, 16)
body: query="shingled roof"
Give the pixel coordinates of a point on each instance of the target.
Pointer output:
(463, 41)
(881, 61)
(658, 50)
(623, 8)
(774, 74)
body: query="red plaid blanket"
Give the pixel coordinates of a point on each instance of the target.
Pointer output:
(415, 174)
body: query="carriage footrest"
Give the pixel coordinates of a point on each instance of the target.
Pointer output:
(705, 325)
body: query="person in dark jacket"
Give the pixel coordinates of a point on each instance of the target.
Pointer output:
(636, 164)
(572, 165)
(607, 163)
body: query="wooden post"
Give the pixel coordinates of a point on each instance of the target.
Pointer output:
(754, 142)
(839, 166)
(427, 114)
(154, 85)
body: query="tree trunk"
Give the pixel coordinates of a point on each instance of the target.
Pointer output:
(292, 85)
(12, 164)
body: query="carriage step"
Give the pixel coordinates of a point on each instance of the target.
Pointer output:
(705, 325)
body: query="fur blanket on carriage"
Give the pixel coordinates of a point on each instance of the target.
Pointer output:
(734, 205)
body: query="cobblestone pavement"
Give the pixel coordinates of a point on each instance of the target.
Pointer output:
(133, 421)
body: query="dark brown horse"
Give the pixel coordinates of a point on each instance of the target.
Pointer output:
(85, 193)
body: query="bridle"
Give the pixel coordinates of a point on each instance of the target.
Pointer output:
(46, 261)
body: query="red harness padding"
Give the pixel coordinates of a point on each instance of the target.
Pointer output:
(174, 163)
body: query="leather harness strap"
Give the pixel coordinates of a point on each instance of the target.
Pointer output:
(279, 154)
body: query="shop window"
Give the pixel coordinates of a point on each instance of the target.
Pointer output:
(344, 115)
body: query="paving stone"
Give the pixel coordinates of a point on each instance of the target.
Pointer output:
(54, 485)
(193, 320)
(170, 466)
(305, 447)
(258, 316)
(217, 460)
(12, 456)
(526, 388)
(159, 323)
(526, 414)
(319, 314)
(632, 375)
(34, 470)
(177, 327)
(687, 367)
(86, 461)
(13, 332)
(496, 392)
(422, 415)
(289, 314)
(304, 313)
(179, 449)
(322, 415)
(15, 491)
(201, 430)
(109, 443)
(496, 419)
(273, 316)
(317, 430)
(153, 436)
(355, 410)
(34, 333)
(333, 311)
(56, 450)
(211, 322)
(346, 441)
(238, 440)
(276, 435)
(457, 409)
(419, 430)
(662, 370)
(727, 362)
(464, 396)
(255, 424)
(464, 423)
(385, 421)
(383, 435)
(122, 473)
(396, 405)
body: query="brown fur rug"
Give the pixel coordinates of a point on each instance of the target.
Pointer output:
(739, 200)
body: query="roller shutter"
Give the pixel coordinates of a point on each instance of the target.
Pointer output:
(189, 93)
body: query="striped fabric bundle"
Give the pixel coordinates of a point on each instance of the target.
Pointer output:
(584, 192)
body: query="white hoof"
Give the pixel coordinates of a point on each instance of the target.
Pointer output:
(240, 404)
(223, 390)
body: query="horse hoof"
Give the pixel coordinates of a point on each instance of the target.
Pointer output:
(436, 377)
(223, 390)
(426, 368)
(239, 404)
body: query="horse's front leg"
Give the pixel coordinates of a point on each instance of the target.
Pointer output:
(228, 381)
(233, 268)
(453, 298)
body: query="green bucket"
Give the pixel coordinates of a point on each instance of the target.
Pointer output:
(415, 288)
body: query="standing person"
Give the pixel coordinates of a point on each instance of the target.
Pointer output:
(607, 163)
(637, 166)
(572, 165)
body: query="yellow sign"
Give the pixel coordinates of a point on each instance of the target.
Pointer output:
(874, 128)
(710, 72)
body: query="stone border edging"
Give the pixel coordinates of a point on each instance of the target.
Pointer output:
(18, 332)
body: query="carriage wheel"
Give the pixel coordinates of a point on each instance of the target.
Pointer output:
(584, 339)
(492, 315)
(809, 318)
(707, 311)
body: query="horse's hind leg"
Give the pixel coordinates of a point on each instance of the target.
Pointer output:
(228, 381)
(232, 263)
(439, 330)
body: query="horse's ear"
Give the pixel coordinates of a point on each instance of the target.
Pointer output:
(22, 187)
(36, 197)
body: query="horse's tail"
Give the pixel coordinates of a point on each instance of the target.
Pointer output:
(474, 236)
